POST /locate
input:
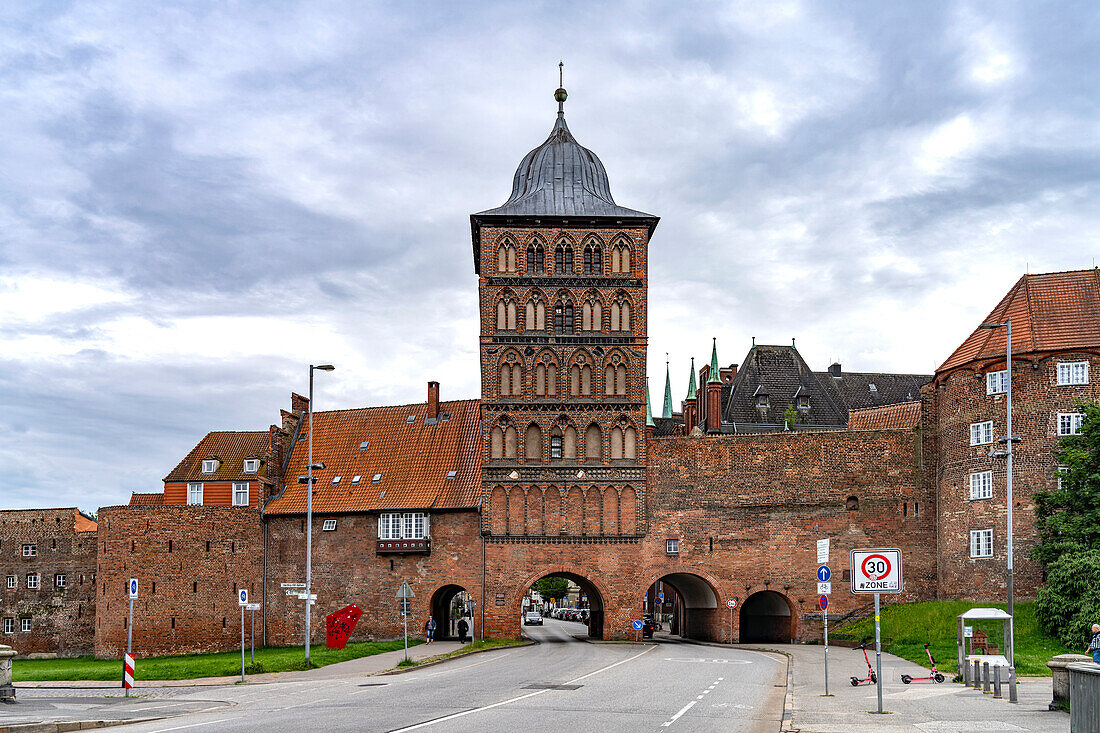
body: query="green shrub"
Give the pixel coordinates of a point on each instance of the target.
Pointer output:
(1069, 604)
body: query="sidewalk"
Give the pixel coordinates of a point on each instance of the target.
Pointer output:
(923, 706)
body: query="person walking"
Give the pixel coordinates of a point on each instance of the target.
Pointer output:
(463, 627)
(1094, 645)
(429, 630)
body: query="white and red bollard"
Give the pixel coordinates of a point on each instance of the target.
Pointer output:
(127, 672)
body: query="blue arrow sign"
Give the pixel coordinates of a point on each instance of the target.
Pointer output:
(823, 573)
(637, 625)
(660, 597)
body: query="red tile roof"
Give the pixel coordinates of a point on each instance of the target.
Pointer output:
(1050, 312)
(137, 499)
(902, 416)
(413, 458)
(231, 447)
(83, 523)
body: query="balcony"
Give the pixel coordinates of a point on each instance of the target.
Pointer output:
(405, 547)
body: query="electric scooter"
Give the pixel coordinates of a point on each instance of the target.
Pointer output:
(936, 676)
(870, 678)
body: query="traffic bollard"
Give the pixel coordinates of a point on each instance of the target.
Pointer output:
(966, 674)
(1012, 684)
(985, 677)
(977, 675)
(997, 682)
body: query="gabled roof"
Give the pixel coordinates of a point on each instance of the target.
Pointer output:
(137, 499)
(1052, 311)
(905, 415)
(782, 374)
(413, 458)
(231, 447)
(889, 389)
(82, 523)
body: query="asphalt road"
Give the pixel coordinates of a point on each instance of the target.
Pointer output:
(562, 683)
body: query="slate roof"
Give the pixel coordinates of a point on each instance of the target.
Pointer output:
(905, 415)
(1051, 311)
(138, 499)
(413, 459)
(889, 389)
(231, 447)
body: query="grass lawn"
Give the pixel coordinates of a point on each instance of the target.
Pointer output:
(912, 625)
(474, 646)
(188, 666)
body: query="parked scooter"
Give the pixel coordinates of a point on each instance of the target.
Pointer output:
(870, 678)
(936, 676)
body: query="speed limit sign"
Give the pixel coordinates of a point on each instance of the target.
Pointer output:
(876, 571)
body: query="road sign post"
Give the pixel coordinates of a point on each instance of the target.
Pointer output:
(824, 603)
(877, 571)
(404, 593)
(731, 603)
(242, 601)
(132, 592)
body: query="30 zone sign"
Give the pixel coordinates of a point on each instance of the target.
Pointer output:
(876, 571)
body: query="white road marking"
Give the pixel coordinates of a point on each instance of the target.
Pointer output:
(302, 704)
(192, 725)
(521, 697)
(677, 715)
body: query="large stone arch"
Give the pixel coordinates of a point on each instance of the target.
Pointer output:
(699, 610)
(598, 594)
(768, 615)
(441, 605)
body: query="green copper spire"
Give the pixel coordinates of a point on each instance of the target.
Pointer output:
(648, 407)
(666, 409)
(691, 380)
(713, 378)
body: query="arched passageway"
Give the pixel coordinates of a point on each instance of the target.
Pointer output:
(588, 599)
(686, 605)
(767, 616)
(450, 604)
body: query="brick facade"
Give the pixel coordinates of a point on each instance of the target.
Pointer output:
(61, 618)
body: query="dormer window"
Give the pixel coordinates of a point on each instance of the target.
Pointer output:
(210, 465)
(761, 400)
(872, 387)
(804, 403)
(251, 465)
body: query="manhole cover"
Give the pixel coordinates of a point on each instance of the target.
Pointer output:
(549, 686)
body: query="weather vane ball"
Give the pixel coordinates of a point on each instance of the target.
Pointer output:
(560, 95)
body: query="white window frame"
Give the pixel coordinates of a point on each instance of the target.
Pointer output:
(194, 491)
(329, 525)
(981, 433)
(1069, 423)
(9, 625)
(403, 526)
(672, 547)
(12, 582)
(1062, 471)
(25, 625)
(240, 487)
(996, 382)
(981, 485)
(981, 543)
(251, 465)
(32, 581)
(30, 550)
(1073, 373)
(59, 580)
(209, 465)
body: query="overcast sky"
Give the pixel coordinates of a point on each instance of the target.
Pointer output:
(198, 200)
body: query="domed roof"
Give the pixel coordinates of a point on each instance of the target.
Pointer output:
(561, 178)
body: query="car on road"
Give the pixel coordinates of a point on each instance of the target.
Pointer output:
(532, 618)
(648, 626)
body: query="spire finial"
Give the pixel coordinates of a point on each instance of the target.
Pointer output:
(560, 94)
(666, 408)
(691, 380)
(648, 406)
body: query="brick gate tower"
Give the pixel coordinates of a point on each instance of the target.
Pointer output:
(563, 353)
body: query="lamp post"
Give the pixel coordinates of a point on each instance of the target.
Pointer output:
(309, 505)
(1008, 440)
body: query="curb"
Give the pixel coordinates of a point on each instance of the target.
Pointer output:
(66, 726)
(404, 670)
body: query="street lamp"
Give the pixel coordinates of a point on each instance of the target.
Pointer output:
(309, 503)
(1008, 440)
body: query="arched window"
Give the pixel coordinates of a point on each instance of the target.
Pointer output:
(511, 440)
(506, 314)
(592, 314)
(536, 314)
(620, 257)
(546, 377)
(496, 444)
(532, 444)
(563, 258)
(620, 314)
(615, 376)
(593, 259)
(630, 443)
(511, 376)
(569, 443)
(580, 377)
(555, 446)
(563, 316)
(536, 264)
(593, 442)
(616, 443)
(506, 257)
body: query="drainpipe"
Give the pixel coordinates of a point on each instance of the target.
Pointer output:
(263, 588)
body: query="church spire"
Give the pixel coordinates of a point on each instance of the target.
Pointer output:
(666, 408)
(713, 378)
(648, 407)
(691, 380)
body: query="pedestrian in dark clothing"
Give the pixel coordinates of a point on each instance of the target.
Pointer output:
(463, 627)
(429, 630)
(1094, 645)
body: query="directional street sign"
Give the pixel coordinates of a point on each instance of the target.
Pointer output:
(292, 585)
(876, 571)
(252, 606)
(637, 624)
(661, 597)
(823, 550)
(242, 597)
(406, 611)
(825, 588)
(302, 596)
(823, 573)
(731, 603)
(405, 591)
(133, 588)
(823, 602)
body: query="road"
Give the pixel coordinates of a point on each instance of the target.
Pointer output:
(562, 683)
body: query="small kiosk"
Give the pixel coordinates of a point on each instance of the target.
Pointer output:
(980, 647)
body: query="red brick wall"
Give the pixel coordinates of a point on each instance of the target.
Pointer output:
(62, 619)
(197, 557)
(956, 400)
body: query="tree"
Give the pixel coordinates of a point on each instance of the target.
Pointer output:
(1069, 603)
(791, 416)
(1068, 516)
(552, 588)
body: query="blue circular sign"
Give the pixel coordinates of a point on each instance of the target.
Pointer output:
(823, 573)
(637, 625)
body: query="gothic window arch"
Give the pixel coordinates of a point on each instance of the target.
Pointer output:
(506, 256)
(615, 375)
(621, 312)
(563, 314)
(511, 375)
(624, 441)
(593, 258)
(592, 313)
(620, 257)
(532, 443)
(503, 441)
(546, 375)
(580, 376)
(563, 441)
(593, 443)
(535, 313)
(563, 257)
(506, 312)
(536, 258)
